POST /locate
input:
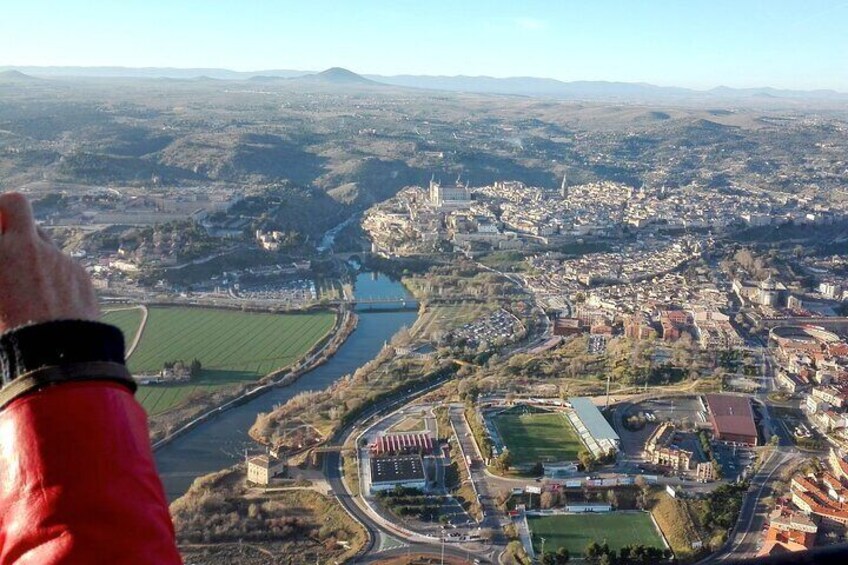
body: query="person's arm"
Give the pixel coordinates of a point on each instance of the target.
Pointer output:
(77, 478)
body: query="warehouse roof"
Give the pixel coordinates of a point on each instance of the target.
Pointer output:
(732, 414)
(592, 418)
(395, 469)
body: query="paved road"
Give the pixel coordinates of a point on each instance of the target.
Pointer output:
(493, 518)
(746, 535)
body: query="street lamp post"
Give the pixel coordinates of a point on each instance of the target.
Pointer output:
(443, 546)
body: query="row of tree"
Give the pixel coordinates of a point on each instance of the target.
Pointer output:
(637, 554)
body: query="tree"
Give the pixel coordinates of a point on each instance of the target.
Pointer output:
(402, 338)
(599, 554)
(612, 498)
(587, 460)
(504, 461)
(537, 469)
(593, 552)
(562, 556)
(548, 558)
(640, 554)
(195, 368)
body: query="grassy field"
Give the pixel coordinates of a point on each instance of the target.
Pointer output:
(677, 525)
(232, 347)
(538, 437)
(126, 320)
(409, 425)
(576, 531)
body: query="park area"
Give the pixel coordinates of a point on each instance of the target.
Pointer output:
(232, 346)
(537, 436)
(575, 531)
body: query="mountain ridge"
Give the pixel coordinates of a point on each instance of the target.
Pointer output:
(481, 84)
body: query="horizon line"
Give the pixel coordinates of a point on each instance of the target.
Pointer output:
(260, 72)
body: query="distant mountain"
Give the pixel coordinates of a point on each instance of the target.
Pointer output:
(532, 86)
(338, 75)
(591, 90)
(16, 76)
(513, 86)
(150, 72)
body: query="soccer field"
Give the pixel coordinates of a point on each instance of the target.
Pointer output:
(232, 347)
(576, 531)
(538, 437)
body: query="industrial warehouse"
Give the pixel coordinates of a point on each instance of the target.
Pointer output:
(732, 418)
(389, 472)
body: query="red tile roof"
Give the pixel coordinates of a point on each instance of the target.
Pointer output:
(732, 415)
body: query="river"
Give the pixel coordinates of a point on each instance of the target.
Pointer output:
(222, 441)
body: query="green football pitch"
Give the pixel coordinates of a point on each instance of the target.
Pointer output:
(543, 437)
(576, 531)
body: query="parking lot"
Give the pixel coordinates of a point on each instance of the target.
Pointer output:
(294, 290)
(500, 326)
(597, 344)
(682, 410)
(733, 460)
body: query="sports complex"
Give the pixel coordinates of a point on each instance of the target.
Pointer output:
(549, 434)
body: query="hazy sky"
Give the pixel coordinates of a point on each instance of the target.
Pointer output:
(694, 43)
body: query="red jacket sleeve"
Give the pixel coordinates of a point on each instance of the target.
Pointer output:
(77, 480)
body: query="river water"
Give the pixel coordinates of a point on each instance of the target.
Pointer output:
(220, 442)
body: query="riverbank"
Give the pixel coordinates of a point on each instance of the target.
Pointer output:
(223, 440)
(167, 427)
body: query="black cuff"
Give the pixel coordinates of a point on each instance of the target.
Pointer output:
(32, 357)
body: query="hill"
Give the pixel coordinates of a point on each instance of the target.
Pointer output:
(339, 76)
(16, 77)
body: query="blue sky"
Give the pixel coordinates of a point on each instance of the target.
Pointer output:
(692, 43)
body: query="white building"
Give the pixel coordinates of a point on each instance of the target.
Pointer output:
(262, 468)
(449, 196)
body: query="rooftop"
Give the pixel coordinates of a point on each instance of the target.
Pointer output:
(732, 414)
(263, 461)
(592, 418)
(399, 468)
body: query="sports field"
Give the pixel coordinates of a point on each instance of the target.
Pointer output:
(127, 321)
(232, 347)
(538, 437)
(576, 531)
